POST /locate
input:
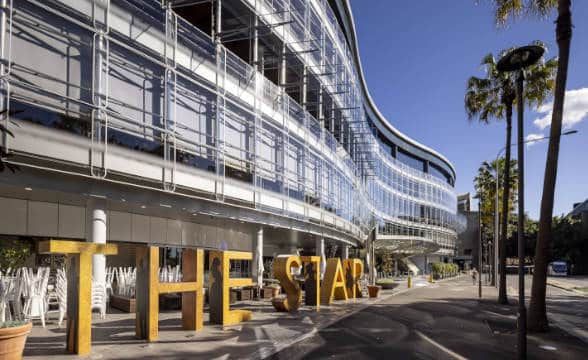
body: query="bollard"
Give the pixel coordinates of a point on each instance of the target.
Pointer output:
(409, 282)
(431, 278)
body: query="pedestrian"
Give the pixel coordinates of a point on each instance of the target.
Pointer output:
(474, 276)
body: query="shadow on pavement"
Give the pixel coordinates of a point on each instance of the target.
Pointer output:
(443, 328)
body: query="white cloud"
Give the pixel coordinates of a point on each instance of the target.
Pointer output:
(575, 109)
(531, 137)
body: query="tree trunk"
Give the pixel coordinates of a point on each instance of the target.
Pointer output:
(502, 298)
(537, 316)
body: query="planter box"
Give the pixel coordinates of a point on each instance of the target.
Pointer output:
(244, 294)
(279, 303)
(388, 286)
(374, 290)
(12, 341)
(269, 292)
(232, 296)
(123, 303)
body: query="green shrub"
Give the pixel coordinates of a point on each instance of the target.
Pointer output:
(12, 324)
(385, 281)
(441, 270)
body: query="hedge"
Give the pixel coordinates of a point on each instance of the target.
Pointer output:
(442, 270)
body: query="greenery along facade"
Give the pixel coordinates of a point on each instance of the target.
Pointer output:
(255, 112)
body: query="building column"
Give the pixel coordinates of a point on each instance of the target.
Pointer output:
(345, 252)
(97, 234)
(257, 263)
(320, 251)
(426, 269)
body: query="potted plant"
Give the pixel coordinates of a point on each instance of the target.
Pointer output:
(374, 290)
(13, 335)
(275, 289)
(387, 284)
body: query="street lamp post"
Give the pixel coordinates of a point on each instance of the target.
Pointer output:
(497, 182)
(517, 60)
(480, 246)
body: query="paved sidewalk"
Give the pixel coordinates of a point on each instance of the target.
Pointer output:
(444, 321)
(566, 308)
(267, 333)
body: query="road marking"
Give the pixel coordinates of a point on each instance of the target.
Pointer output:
(498, 314)
(547, 347)
(436, 344)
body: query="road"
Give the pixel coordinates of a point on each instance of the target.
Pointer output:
(442, 321)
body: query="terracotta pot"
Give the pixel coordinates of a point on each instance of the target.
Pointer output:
(12, 341)
(374, 290)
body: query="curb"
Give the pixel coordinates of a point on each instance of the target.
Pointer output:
(555, 285)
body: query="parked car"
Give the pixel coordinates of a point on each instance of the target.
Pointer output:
(557, 268)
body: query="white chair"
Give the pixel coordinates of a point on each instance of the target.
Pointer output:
(110, 272)
(6, 288)
(61, 289)
(18, 289)
(99, 298)
(35, 300)
(57, 296)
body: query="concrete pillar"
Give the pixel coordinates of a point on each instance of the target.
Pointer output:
(426, 269)
(97, 234)
(320, 251)
(345, 252)
(257, 263)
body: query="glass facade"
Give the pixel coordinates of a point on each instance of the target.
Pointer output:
(264, 95)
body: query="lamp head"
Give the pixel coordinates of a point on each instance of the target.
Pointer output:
(520, 58)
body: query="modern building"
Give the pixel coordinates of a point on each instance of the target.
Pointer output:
(464, 203)
(468, 241)
(221, 124)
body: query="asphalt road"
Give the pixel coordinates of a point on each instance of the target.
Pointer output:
(441, 321)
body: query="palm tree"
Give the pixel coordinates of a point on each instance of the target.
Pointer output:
(494, 97)
(485, 184)
(503, 10)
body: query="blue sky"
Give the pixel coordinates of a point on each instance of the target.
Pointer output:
(417, 56)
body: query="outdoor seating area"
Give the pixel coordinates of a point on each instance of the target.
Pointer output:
(36, 294)
(26, 294)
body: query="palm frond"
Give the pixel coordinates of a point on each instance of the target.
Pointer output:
(542, 8)
(504, 10)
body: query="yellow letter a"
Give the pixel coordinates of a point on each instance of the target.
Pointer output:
(333, 282)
